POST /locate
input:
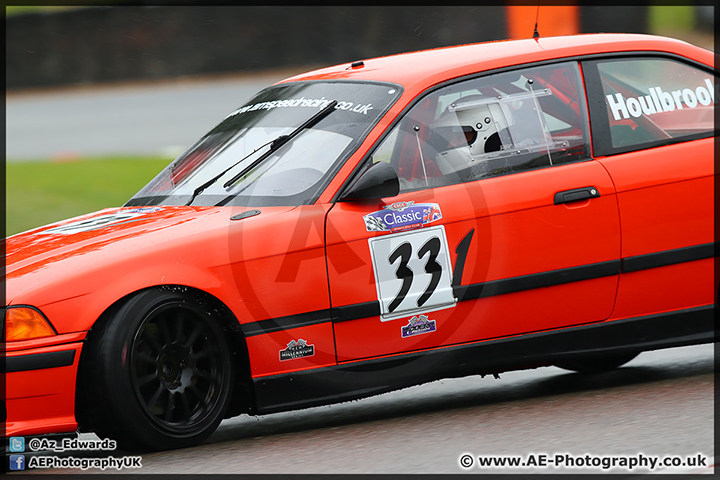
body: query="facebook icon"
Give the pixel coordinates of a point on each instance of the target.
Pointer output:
(17, 462)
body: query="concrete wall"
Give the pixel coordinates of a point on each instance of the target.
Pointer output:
(100, 44)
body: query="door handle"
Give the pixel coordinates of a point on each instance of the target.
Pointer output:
(576, 194)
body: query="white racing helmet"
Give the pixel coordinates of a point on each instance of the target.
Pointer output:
(476, 127)
(471, 126)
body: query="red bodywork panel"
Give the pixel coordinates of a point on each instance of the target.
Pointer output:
(517, 231)
(40, 401)
(669, 207)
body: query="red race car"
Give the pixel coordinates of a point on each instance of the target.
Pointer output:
(376, 225)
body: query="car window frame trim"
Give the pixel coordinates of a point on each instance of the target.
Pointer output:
(590, 124)
(354, 175)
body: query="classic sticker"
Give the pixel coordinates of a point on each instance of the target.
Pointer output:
(297, 349)
(418, 325)
(402, 216)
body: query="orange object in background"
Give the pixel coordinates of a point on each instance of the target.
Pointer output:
(552, 20)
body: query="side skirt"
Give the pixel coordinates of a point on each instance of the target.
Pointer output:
(365, 378)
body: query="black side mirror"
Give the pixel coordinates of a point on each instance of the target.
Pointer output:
(379, 181)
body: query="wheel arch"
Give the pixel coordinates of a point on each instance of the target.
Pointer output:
(242, 398)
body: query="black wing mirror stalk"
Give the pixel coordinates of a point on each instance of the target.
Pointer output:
(379, 181)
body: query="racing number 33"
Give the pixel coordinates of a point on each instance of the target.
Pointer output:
(412, 272)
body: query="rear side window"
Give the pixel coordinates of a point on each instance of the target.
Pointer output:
(642, 102)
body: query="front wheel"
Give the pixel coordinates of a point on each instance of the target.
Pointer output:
(159, 374)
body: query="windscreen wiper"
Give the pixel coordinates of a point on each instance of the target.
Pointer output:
(214, 179)
(274, 146)
(283, 139)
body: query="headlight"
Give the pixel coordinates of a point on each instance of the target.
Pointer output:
(25, 323)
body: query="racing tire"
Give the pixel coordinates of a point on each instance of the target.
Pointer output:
(597, 363)
(158, 374)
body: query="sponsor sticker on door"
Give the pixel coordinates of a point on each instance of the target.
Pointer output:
(402, 216)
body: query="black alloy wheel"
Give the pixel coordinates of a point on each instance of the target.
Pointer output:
(176, 363)
(161, 371)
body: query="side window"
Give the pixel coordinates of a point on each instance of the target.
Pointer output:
(650, 101)
(494, 125)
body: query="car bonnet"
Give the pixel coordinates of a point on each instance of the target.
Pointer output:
(111, 243)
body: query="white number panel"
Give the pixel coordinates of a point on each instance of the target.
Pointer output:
(412, 272)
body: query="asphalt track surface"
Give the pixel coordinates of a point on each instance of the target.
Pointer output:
(142, 118)
(658, 405)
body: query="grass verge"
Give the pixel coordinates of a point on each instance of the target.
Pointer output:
(38, 193)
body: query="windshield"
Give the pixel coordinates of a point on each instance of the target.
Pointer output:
(219, 170)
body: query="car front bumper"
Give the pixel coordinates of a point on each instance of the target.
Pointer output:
(40, 388)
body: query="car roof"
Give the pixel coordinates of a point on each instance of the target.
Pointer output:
(422, 69)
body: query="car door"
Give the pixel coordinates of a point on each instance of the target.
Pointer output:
(653, 128)
(504, 225)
